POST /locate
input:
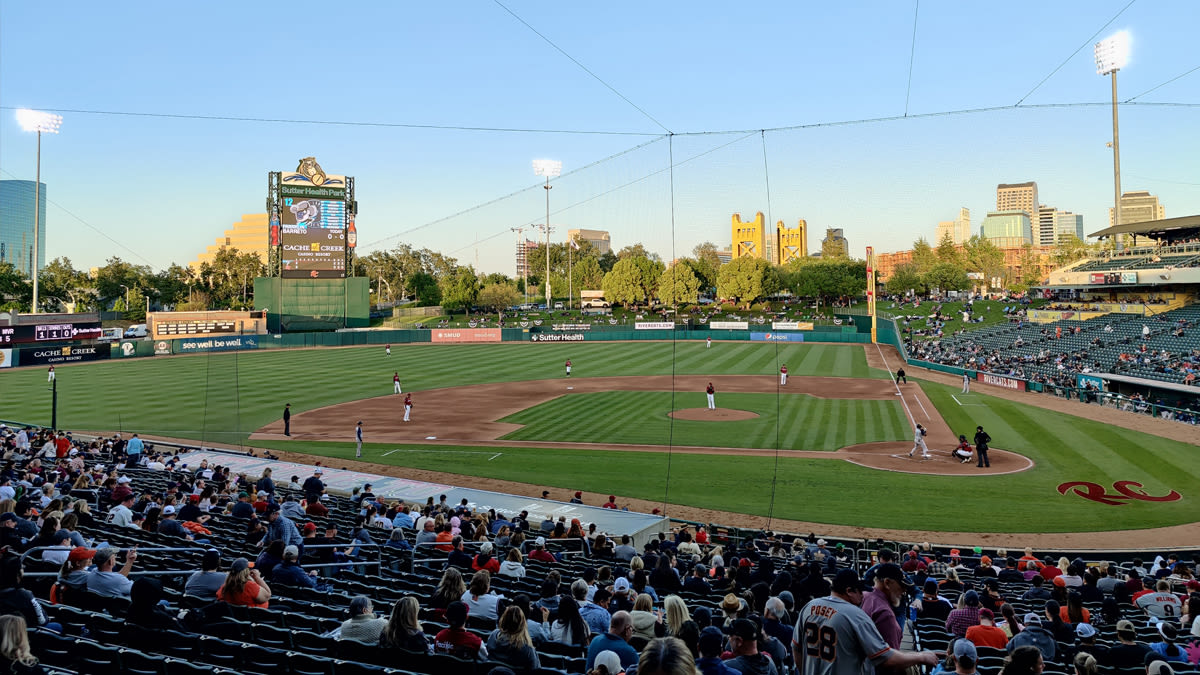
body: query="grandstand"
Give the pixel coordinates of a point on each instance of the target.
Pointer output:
(297, 630)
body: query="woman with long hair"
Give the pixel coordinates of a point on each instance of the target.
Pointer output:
(512, 567)
(676, 614)
(641, 586)
(46, 534)
(1025, 660)
(449, 590)
(15, 656)
(576, 532)
(1011, 625)
(647, 621)
(1058, 627)
(150, 524)
(1075, 612)
(665, 577)
(570, 628)
(666, 656)
(403, 630)
(244, 586)
(510, 642)
(479, 598)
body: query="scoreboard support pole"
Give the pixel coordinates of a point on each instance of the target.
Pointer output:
(871, 291)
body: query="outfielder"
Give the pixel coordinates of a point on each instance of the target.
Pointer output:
(966, 384)
(568, 367)
(407, 406)
(709, 344)
(396, 382)
(387, 350)
(919, 442)
(358, 439)
(50, 378)
(783, 375)
(712, 401)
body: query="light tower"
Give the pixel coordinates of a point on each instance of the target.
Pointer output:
(33, 120)
(1112, 53)
(547, 168)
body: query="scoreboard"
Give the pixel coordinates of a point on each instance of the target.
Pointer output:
(312, 228)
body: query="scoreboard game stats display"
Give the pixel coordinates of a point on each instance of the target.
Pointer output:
(309, 225)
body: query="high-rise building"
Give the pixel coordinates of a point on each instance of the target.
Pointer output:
(1043, 233)
(1137, 206)
(524, 248)
(1007, 229)
(597, 238)
(1018, 197)
(251, 234)
(1066, 223)
(835, 236)
(16, 224)
(958, 229)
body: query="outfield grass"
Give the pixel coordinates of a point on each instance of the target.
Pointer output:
(787, 421)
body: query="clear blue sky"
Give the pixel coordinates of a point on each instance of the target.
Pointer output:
(163, 188)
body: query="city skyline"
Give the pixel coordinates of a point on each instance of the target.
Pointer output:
(440, 139)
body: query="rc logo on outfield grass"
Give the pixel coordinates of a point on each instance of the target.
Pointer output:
(1126, 490)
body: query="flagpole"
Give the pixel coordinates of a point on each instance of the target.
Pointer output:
(570, 279)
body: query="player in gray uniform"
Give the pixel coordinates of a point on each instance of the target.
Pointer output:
(834, 637)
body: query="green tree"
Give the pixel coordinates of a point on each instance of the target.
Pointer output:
(948, 277)
(678, 285)
(1070, 248)
(637, 251)
(741, 279)
(982, 256)
(707, 264)
(425, 289)
(923, 256)
(460, 290)
(947, 252)
(607, 261)
(906, 278)
(16, 293)
(826, 279)
(627, 283)
(117, 273)
(588, 275)
(62, 287)
(136, 310)
(498, 296)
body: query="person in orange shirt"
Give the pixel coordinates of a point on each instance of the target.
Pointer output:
(987, 633)
(444, 539)
(1029, 561)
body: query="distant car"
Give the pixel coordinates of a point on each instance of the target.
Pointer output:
(137, 330)
(558, 305)
(704, 301)
(541, 306)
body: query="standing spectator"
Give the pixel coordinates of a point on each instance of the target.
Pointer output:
(362, 626)
(282, 528)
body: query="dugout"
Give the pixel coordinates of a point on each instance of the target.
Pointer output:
(313, 304)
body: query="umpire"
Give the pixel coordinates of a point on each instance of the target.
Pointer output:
(981, 447)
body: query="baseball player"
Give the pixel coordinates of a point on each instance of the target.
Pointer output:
(919, 442)
(396, 382)
(963, 452)
(568, 367)
(387, 350)
(709, 343)
(407, 406)
(712, 401)
(833, 636)
(287, 419)
(358, 439)
(783, 375)
(966, 384)
(50, 378)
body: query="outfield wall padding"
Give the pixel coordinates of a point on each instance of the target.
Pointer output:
(295, 305)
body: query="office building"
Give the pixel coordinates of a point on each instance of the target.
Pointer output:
(16, 225)
(1067, 223)
(249, 235)
(959, 229)
(1007, 229)
(836, 237)
(597, 238)
(1018, 197)
(1137, 206)
(525, 248)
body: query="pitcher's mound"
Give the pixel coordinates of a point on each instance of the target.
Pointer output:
(717, 415)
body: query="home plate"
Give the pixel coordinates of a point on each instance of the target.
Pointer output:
(431, 438)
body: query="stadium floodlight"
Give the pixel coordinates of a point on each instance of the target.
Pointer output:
(1112, 53)
(42, 123)
(547, 168)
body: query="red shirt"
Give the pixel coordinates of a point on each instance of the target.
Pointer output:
(316, 508)
(987, 636)
(609, 505)
(61, 446)
(1049, 572)
(444, 538)
(492, 565)
(783, 370)
(457, 642)
(543, 555)
(245, 598)
(395, 378)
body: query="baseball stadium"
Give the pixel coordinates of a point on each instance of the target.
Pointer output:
(347, 439)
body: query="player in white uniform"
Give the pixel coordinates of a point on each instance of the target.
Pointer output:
(396, 382)
(407, 406)
(568, 367)
(712, 400)
(387, 350)
(709, 345)
(834, 637)
(966, 384)
(783, 375)
(919, 442)
(50, 378)
(358, 440)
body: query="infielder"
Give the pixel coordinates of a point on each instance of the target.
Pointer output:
(568, 367)
(50, 378)
(407, 406)
(783, 375)
(396, 382)
(919, 442)
(966, 384)
(358, 439)
(712, 401)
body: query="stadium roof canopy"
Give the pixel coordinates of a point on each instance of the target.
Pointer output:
(1168, 229)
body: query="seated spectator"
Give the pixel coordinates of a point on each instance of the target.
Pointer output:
(271, 556)
(743, 643)
(244, 586)
(104, 581)
(1037, 589)
(1160, 603)
(710, 647)
(395, 539)
(15, 656)
(1075, 612)
(60, 548)
(931, 605)
(362, 626)
(10, 537)
(403, 630)
(170, 525)
(697, 582)
(965, 616)
(570, 628)
(457, 640)
(1056, 625)
(1127, 652)
(205, 583)
(512, 567)
(510, 642)
(540, 553)
(647, 621)
(290, 573)
(1033, 636)
(449, 590)
(1087, 642)
(616, 640)
(987, 634)
(479, 598)
(242, 508)
(1167, 649)
(17, 600)
(145, 609)
(484, 560)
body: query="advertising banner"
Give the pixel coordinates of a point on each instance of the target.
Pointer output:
(728, 325)
(128, 348)
(654, 325)
(556, 337)
(465, 335)
(32, 356)
(791, 325)
(777, 337)
(6, 358)
(217, 344)
(162, 347)
(1001, 381)
(571, 326)
(1096, 278)
(1084, 380)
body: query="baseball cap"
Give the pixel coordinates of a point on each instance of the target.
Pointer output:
(964, 648)
(243, 495)
(612, 498)
(986, 613)
(1159, 667)
(1126, 626)
(1060, 582)
(310, 527)
(62, 535)
(1168, 631)
(893, 572)
(238, 565)
(744, 629)
(977, 550)
(456, 613)
(1085, 630)
(931, 586)
(81, 553)
(1033, 619)
(168, 510)
(954, 553)
(541, 541)
(820, 542)
(711, 641)
(319, 469)
(124, 479)
(985, 560)
(291, 552)
(846, 580)
(621, 585)
(971, 599)
(8, 516)
(609, 659)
